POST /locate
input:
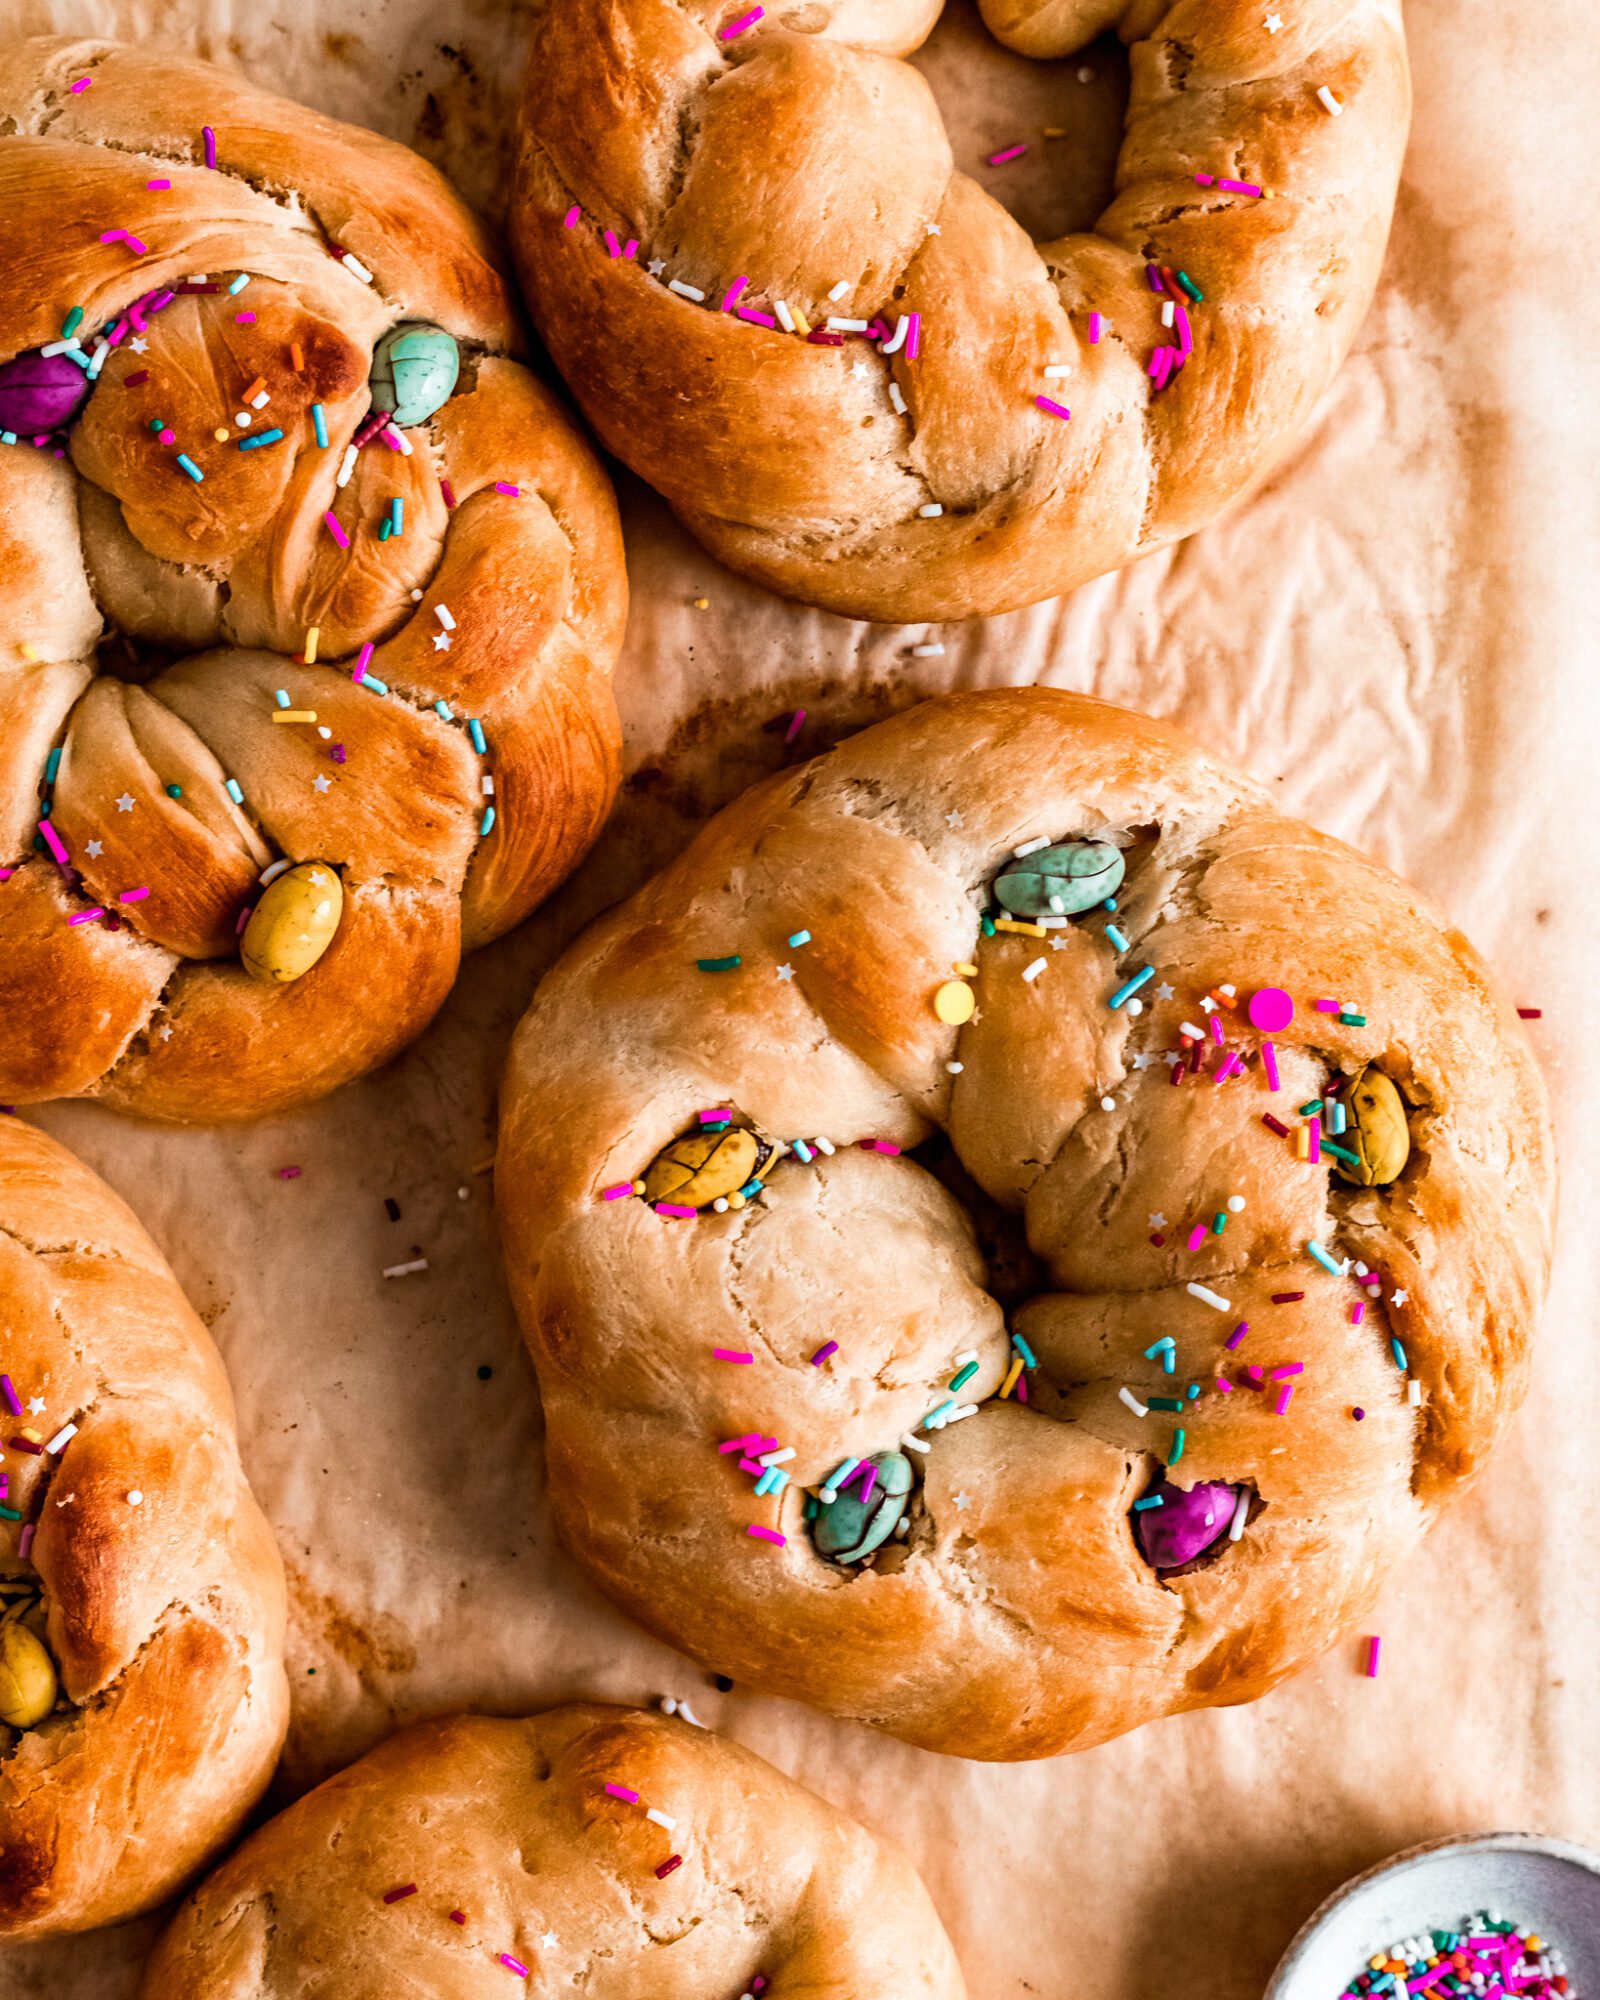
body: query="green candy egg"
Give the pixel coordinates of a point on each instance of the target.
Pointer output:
(414, 371)
(846, 1529)
(1061, 881)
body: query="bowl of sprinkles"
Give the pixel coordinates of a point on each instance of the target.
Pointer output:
(1489, 1915)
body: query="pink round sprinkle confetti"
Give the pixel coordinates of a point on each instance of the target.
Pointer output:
(1271, 1010)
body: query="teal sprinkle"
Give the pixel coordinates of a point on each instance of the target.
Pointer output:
(9, 1514)
(282, 698)
(943, 1410)
(188, 465)
(1024, 1350)
(231, 786)
(1164, 1402)
(802, 1151)
(1315, 1249)
(1169, 1361)
(397, 514)
(319, 423)
(475, 731)
(988, 926)
(44, 808)
(261, 437)
(836, 1479)
(1340, 1152)
(1191, 288)
(751, 1189)
(1151, 1352)
(382, 687)
(730, 964)
(800, 938)
(1220, 1223)
(78, 358)
(1110, 904)
(8, 437)
(1177, 1447)
(1150, 1500)
(385, 529)
(1131, 986)
(239, 284)
(52, 764)
(966, 1375)
(174, 791)
(1193, 1391)
(72, 322)
(1398, 1352)
(486, 824)
(1116, 937)
(768, 1480)
(443, 708)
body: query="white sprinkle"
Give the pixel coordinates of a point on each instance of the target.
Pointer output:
(915, 1443)
(63, 346)
(260, 402)
(839, 291)
(135, 1498)
(1030, 847)
(1051, 923)
(1189, 1028)
(97, 360)
(720, 1205)
(848, 325)
(1413, 1392)
(1056, 370)
(1328, 101)
(660, 1818)
(324, 731)
(271, 874)
(1134, 1006)
(688, 291)
(405, 1270)
(347, 465)
(897, 399)
(1086, 76)
(416, 597)
(243, 419)
(1241, 1513)
(668, 1705)
(1235, 1204)
(445, 616)
(488, 785)
(955, 1416)
(823, 1145)
(1167, 311)
(931, 511)
(785, 317)
(689, 1715)
(58, 1442)
(1031, 972)
(1127, 1396)
(1108, 1104)
(954, 1068)
(928, 652)
(777, 1457)
(1214, 1299)
(356, 268)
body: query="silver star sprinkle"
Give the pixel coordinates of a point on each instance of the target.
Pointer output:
(35, 1405)
(138, 346)
(786, 972)
(322, 784)
(95, 849)
(125, 803)
(1163, 992)
(1397, 1298)
(441, 642)
(962, 1499)
(954, 819)
(1158, 1222)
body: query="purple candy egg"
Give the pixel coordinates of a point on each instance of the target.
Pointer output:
(1185, 1524)
(40, 392)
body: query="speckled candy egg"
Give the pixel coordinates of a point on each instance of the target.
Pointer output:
(27, 1677)
(40, 392)
(849, 1528)
(414, 371)
(1185, 1524)
(1378, 1132)
(702, 1167)
(293, 924)
(1060, 881)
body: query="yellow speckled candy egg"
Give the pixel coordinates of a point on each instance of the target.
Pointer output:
(293, 924)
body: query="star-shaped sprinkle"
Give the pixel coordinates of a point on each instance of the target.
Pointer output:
(95, 849)
(165, 1031)
(1208, 1005)
(954, 819)
(859, 368)
(1170, 1057)
(656, 266)
(934, 229)
(1163, 992)
(549, 1940)
(1143, 1062)
(1158, 1222)
(962, 1499)
(1397, 1298)
(1058, 944)
(786, 972)
(125, 803)
(322, 783)
(1274, 23)
(138, 346)
(35, 1405)
(441, 642)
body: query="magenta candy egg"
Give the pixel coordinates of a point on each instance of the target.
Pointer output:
(40, 392)
(1271, 1010)
(1185, 1524)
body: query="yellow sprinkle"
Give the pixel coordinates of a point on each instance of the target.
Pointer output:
(953, 1003)
(294, 715)
(28, 651)
(1302, 1142)
(221, 436)
(1010, 1382)
(802, 324)
(312, 636)
(1025, 930)
(965, 971)
(1055, 131)
(702, 604)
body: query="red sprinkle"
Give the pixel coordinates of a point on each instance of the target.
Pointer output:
(672, 1861)
(139, 375)
(1530, 1013)
(1287, 1298)
(458, 1916)
(399, 1895)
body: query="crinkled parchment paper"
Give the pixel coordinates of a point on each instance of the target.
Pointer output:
(1399, 635)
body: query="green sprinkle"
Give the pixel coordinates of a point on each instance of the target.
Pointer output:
(1354, 1020)
(1310, 1110)
(1340, 1152)
(1220, 1223)
(813, 1509)
(988, 926)
(1164, 1402)
(385, 529)
(1177, 1447)
(965, 1376)
(800, 938)
(719, 964)
(72, 322)
(1191, 288)
(158, 423)
(174, 791)
(52, 764)
(9, 1514)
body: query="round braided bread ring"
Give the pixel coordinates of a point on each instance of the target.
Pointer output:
(150, 1007)
(1018, 1617)
(161, 1583)
(521, 1860)
(799, 153)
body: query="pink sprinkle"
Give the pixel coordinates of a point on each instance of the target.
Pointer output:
(245, 319)
(739, 1443)
(113, 236)
(1327, 1006)
(1373, 1644)
(1356, 1312)
(1314, 1144)
(505, 486)
(513, 1964)
(912, 337)
(158, 187)
(1269, 1062)
(52, 840)
(616, 1193)
(729, 1353)
(244, 917)
(767, 1535)
(1205, 180)
(570, 219)
(1288, 1368)
(1239, 187)
(290, 1173)
(1197, 1236)
(399, 1895)
(731, 297)
(1230, 1067)
(1022, 1388)
(631, 247)
(1185, 336)
(25, 1545)
(336, 531)
(1160, 366)
(622, 1792)
(87, 916)
(81, 84)
(715, 1117)
(448, 491)
(1225, 1385)
(1096, 323)
(1052, 408)
(676, 1209)
(613, 247)
(363, 660)
(738, 27)
(210, 139)
(753, 1466)
(879, 1146)
(822, 1353)
(1010, 153)
(133, 895)
(1237, 1334)
(796, 724)
(1283, 1399)
(9, 1391)
(759, 318)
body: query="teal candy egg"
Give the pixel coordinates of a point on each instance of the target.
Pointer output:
(846, 1529)
(1061, 881)
(414, 371)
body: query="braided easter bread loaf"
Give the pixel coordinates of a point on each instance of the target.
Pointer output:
(846, 367)
(142, 1694)
(260, 416)
(1260, 1169)
(589, 1849)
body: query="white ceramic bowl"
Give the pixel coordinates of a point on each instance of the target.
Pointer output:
(1552, 1886)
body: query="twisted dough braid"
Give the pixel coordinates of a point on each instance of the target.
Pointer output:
(166, 1612)
(1017, 1618)
(510, 1826)
(183, 784)
(801, 152)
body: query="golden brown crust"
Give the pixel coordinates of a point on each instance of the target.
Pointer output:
(1018, 1619)
(234, 571)
(509, 1824)
(801, 153)
(166, 1613)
